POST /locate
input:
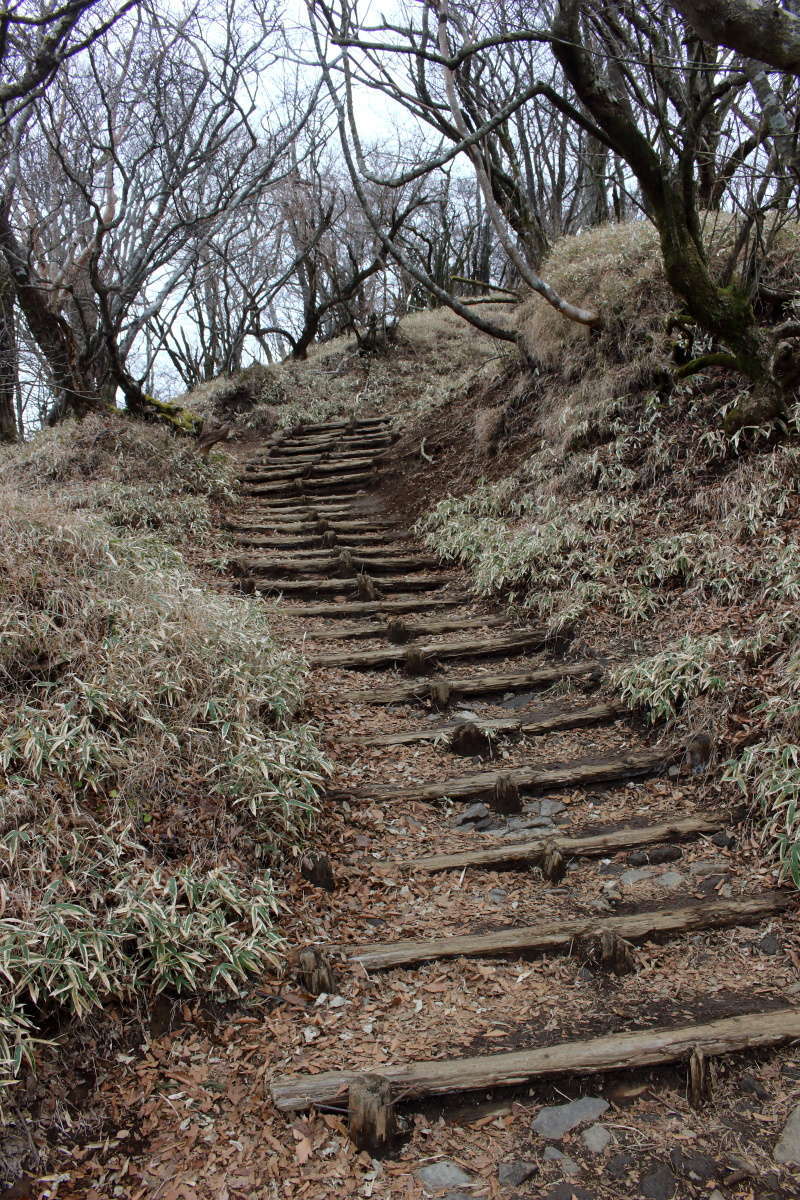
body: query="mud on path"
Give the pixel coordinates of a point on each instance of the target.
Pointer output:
(515, 903)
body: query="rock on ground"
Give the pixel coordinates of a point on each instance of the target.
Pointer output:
(787, 1148)
(557, 1120)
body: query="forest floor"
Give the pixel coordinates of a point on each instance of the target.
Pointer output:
(191, 1112)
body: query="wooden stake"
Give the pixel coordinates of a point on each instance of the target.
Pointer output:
(371, 1114)
(316, 868)
(329, 539)
(610, 953)
(700, 1079)
(469, 741)
(315, 971)
(505, 797)
(416, 662)
(440, 696)
(397, 632)
(553, 865)
(367, 589)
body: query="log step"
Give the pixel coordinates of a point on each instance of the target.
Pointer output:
(298, 564)
(576, 718)
(612, 1052)
(370, 629)
(303, 505)
(287, 522)
(631, 765)
(474, 685)
(355, 543)
(314, 471)
(405, 583)
(334, 426)
(555, 936)
(363, 607)
(310, 458)
(296, 449)
(356, 660)
(605, 843)
(356, 480)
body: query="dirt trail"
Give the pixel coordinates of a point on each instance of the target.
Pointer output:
(515, 903)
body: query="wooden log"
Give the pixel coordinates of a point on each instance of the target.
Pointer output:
(315, 971)
(475, 685)
(562, 936)
(440, 696)
(355, 660)
(330, 538)
(631, 765)
(378, 607)
(310, 585)
(309, 470)
(310, 484)
(613, 1052)
(298, 449)
(591, 845)
(350, 423)
(318, 561)
(575, 718)
(407, 629)
(371, 1119)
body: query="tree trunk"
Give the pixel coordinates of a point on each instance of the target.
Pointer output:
(8, 359)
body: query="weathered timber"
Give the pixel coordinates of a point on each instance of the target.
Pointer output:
(416, 661)
(360, 608)
(331, 426)
(700, 1082)
(356, 443)
(366, 587)
(310, 484)
(613, 1052)
(354, 660)
(440, 695)
(505, 797)
(630, 765)
(563, 935)
(307, 470)
(413, 628)
(371, 1118)
(310, 457)
(576, 718)
(553, 865)
(606, 951)
(590, 845)
(406, 583)
(474, 685)
(315, 561)
(469, 740)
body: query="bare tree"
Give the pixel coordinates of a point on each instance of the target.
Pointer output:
(769, 32)
(132, 163)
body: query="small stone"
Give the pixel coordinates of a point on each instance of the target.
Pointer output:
(514, 1173)
(566, 1164)
(549, 808)
(585, 975)
(709, 867)
(620, 1165)
(637, 875)
(443, 1174)
(466, 714)
(656, 854)
(568, 1191)
(698, 1168)
(674, 772)
(486, 824)
(659, 1184)
(724, 840)
(716, 1195)
(474, 812)
(497, 896)
(749, 1083)
(770, 944)
(553, 1122)
(787, 1148)
(671, 880)
(596, 1138)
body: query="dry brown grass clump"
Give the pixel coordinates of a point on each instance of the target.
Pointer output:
(139, 476)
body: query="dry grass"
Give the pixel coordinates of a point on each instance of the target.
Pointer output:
(151, 764)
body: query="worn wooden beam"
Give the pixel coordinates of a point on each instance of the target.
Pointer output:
(574, 718)
(613, 1052)
(589, 845)
(356, 660)
(629, 765)
(318, 561)
(474, 685)
(406, 583)
(562, 935)
(311, 484)
(357, 608)
(370, 629)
